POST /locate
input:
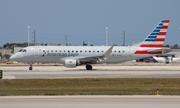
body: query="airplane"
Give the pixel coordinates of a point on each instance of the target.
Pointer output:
(170, 54)
(166, 59)
(161, 58)
(72, 56)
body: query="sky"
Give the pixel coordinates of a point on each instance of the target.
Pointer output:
(85, 20)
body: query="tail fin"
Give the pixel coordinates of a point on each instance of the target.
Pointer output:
(157, 37)
(155, 40)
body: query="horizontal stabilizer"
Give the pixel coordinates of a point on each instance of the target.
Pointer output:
(164, 50)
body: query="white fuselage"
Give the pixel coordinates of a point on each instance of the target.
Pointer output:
(45, 54)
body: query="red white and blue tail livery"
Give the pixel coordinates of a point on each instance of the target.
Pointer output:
(154, 40)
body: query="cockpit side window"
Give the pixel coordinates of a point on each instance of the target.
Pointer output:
(20, 50)
(24, 50)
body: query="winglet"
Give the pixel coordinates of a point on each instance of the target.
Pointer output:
(108, 51)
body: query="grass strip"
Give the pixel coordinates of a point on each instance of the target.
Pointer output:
(94, 86)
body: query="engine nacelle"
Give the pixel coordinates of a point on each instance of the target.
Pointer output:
(71, 63)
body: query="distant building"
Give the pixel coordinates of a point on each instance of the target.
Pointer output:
(6, 51)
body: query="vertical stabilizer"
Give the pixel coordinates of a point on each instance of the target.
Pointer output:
(155, 39)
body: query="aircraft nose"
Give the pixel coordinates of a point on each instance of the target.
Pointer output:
(13, 57)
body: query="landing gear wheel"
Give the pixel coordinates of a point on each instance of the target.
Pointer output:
(30, 68)
(88, 67)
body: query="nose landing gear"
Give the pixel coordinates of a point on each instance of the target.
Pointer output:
(30, 68)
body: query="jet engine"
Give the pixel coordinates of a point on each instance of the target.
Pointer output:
(71, 63)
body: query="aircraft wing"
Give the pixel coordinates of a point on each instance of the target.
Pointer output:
(92, 58)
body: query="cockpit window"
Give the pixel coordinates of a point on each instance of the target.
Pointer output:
(22, 50)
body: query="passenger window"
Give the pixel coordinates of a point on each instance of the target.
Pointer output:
(80, 51)
(51, 50)
(72, 51)
(76, 51)
(89, 51)
(98, 51)
(59, 50)
(119, 51)
(56, 50)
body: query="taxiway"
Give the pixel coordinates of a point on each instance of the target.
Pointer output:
(90, 101)
(22, 72)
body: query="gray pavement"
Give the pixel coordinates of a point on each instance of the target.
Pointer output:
(22, 72)
(100, 72)
(90, 101)
(89, 74)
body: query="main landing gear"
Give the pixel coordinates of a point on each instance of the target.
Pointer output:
(88, 67)
(30, 68)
